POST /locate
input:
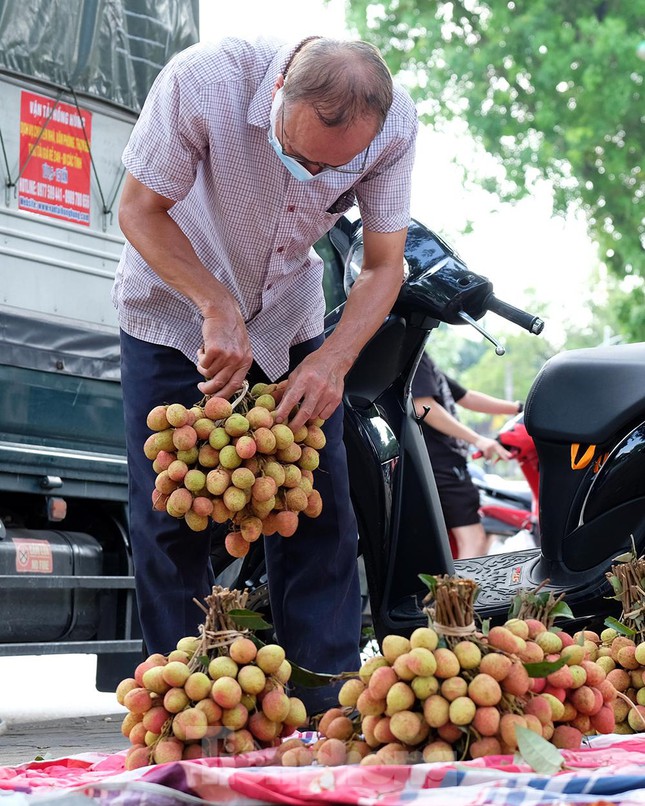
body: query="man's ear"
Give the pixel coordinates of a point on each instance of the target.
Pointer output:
(279, 84)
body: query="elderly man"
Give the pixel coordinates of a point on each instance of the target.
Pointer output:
(243, 157)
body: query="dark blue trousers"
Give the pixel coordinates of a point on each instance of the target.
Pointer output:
(313, 579)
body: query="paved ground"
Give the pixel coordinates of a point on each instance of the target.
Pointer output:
(35, 688)
(24, 741)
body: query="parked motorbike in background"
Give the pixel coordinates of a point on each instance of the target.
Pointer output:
(585, 413)
(509, 509)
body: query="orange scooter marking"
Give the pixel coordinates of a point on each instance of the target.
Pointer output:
(584, 460)
(600, 461)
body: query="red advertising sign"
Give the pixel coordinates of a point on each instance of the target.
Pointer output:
(54, 159)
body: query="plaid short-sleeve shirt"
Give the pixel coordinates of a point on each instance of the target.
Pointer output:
(202, 141)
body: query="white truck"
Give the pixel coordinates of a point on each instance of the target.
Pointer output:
(69, 96)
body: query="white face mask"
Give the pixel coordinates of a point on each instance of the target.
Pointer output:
(295, 168)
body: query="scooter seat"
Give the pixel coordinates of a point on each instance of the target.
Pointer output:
(587, 395)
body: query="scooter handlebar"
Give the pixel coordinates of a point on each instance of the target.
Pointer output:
(519, 317)
(480, 454)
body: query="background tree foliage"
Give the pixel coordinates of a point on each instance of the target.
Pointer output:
(552, 88)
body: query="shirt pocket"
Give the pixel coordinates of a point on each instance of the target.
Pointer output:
(342, 204)
(312, 223)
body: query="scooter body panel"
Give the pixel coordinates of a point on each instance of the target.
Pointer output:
(606, 536)
(373, 457)
(620, 478)
(401, 527)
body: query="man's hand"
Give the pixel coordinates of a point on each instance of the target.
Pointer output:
(490, 448)
(316, 386)
(226, 356)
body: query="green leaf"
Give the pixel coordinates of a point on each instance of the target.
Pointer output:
(537, 752)
(485, 626)
(544, 667)
(619, 626)
(467, 54)
(248, 620)
(308, 679)
(615, 584)
(515, 607)
(304, 677)
(429, 581)
(624, 558)
(562, 610)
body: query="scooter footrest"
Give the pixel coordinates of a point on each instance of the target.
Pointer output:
(499, 576)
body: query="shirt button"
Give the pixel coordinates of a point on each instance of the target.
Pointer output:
(280, 249)
(269, 286)
(291, 208)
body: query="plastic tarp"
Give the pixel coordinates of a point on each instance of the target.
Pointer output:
(110, 49)
(54, 344)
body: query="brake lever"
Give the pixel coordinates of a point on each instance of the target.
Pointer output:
(499, 350)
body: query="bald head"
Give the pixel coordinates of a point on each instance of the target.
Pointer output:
(344, 82)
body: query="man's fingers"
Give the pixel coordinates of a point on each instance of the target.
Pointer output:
(225, 366)
(301, 417)
(220, 382)
(328, 410)
(217, 382)
(307, 403)
(290, 400)
(308, 410)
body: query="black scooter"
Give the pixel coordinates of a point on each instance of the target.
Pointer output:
(585, 412)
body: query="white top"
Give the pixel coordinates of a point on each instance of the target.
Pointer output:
(202, 141)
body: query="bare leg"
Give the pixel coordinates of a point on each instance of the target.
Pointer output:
(472, 540)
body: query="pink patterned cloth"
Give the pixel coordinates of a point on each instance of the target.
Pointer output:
(610, 771)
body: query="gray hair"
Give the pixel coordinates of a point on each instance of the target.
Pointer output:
(343, 81)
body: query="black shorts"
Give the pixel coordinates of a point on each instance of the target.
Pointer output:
(458, 494)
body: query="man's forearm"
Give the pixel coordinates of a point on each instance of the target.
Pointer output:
(371, 298)
(145, 221)
(369, 303)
